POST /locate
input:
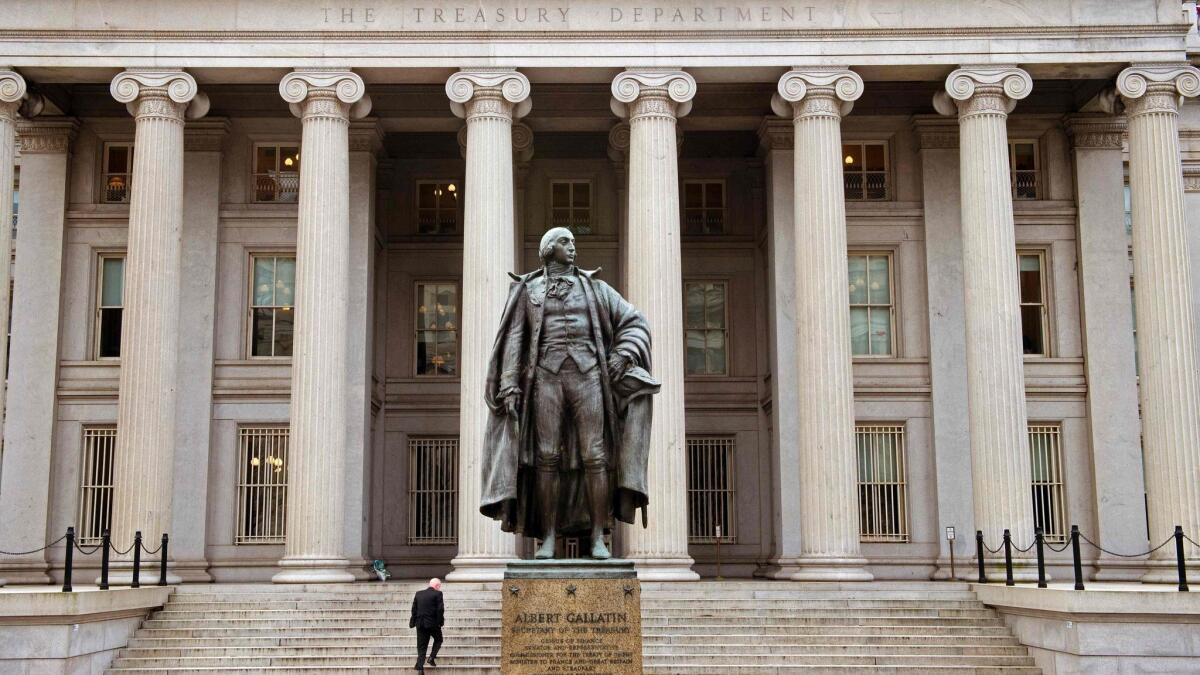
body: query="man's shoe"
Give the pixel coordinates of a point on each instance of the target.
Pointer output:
(433, 662)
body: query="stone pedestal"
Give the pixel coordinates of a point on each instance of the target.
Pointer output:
(571, 616)
(982, 97)
(816, 100)
(489, 99)
(1166, 340)
(324, 100)
(652, 100)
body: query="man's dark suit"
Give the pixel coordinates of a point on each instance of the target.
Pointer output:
(428, 615)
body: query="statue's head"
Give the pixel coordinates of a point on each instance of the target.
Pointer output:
(558, 245)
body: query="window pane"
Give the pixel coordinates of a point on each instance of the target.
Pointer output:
(1024, 158)
(881, 331)
(695, 352)
(118, 159)
(285, 281)
(695, 305)
(874, 159)
(426, 199)
(264, 158)
(716, 352)
(714, 316)
(852, 157)
(858, 331)
(261, 336)
(110, 333)
(693, 195)
(426, 348)
(264, 282)
(582, 197)
(1031, 278)
(879, 285)
(447, 348)
(289, 158)
(112, 282)
(714, 197)
(857, 277)
(1031, 330)
(560, 195)
(284, 318)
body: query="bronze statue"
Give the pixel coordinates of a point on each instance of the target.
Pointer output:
(568, 387)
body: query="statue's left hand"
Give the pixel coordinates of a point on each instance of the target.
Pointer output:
(618, 363)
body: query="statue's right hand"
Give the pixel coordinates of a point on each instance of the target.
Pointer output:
(512, 404)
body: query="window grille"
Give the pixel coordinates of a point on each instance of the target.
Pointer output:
(437, 328)
(872, 304)
(262, 485)
(110, 305)
(16, 196)
(571, 205)
(437, 207)
(118, 172)
(1035, 339)
(710, 490)
(96, 483)
(276, 172)
(272, 311)
(864, 171)
(882, 490)
(704, 207)
(433, 491)
(1023, 169)
(705, 333)
(1045, 454)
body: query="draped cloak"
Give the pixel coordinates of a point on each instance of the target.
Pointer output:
(509, 446)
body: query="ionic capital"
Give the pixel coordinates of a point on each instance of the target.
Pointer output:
(47, 135)
(1096, 131)
(1157, 87)
(325, 92)
(652, 91)
(156, 92)
(983, 90)
(817, 91)
(618, 142)
(486, 92)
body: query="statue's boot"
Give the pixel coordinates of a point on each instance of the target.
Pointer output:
(598, 499)
(547, 491)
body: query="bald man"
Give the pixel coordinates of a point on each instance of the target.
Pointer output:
(428, 615)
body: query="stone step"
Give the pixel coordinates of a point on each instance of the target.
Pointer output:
(823, 638)
(259, 632)
(866, 587)
(352, 612)
(737, 660)
(737, 613)
(842, 620)
(773, 629)
(322, 640)
(452, 648)
(694, 651)
(815, 603)
(442, 669)
(312, 621)
(457, 605)
(347, 612)
(784, 669)
(305, 660)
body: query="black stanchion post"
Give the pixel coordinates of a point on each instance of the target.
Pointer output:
(1041, 558)
(1075, 556)
(979, 555)
(1179, 561)
(70, 560)
(1008, 573)
(137, 559)
(106, 542)
(162, 563)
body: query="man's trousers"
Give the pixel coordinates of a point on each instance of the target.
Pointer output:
(423, 635)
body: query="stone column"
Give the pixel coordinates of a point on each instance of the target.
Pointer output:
(652, 100)
(12, 92)
(1166, 339)
(1113, 422)
(816, 100)
(33, 363)
(982, 97)
(947, 343)
(775, 139)
(202, 144)
(618, 156)
(324, 100)
(489, 99)
(144, 458)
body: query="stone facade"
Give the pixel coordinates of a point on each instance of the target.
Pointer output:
(494, 112)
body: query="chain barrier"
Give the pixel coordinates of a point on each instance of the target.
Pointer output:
(36, 550)
(106, 546)
(1125, 555)
(1065, 546)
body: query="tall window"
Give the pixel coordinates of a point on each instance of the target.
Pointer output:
(704, 207)
(16, 197)
(882, 490)
(1128, 207)
(272, 300)
(110, 305)
(571, 205)
(1034, 329)
(437, 207)
(1045, 455)
(96, 482)
(262, 485)
(118, 170)
(1023, 165)
(871, 304)
(706, 335)
(864, 170)
(276, 172)
(432, 490)
(437, 328)
(710, 490)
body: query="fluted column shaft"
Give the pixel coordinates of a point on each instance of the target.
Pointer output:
(12, 89)
(652, 100)
(829, 546)
(1170, 400)
(316, 475)
(995, 369)
(487, 99)
(143, 463)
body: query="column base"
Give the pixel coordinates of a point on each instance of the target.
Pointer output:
(302, 570)
(1023, 571)
(27, 572)
(832, 569)
(478, 569)
(120, 573)
(1166, 571)
(964, 570)
(1115, 569)
(190, 571)
(780, 568)
(665, 569)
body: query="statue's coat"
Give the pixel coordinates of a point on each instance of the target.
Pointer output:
(509, 473)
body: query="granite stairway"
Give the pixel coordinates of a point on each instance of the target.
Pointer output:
(705, 627)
